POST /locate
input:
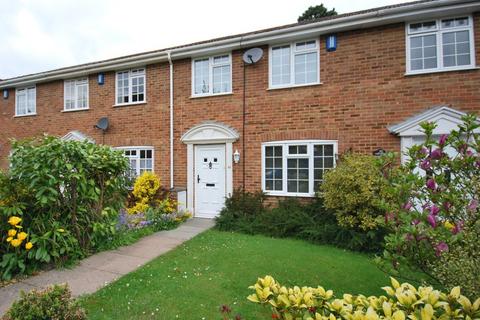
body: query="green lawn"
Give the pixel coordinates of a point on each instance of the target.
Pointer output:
(216, 268)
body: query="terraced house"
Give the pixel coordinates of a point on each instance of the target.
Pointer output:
(208, 119)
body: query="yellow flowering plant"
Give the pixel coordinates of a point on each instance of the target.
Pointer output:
(401, 302)
(144, 192)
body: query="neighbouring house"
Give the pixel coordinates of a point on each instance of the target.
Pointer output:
(207, 122)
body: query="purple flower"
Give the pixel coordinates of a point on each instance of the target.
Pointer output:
(409, 237)
(432, 220)
(424, 151)
(407, 206)
(436, 154)
(458, 227)
(472, 207)
(447, 205)
(441, 247)
(477, 163)
(443, 139)
(434, 210)
(431, 184)
(415, 222)
(469, 153)
(425, 164)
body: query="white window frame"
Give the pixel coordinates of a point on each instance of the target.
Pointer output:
(26, 114)
(285, 156)
(293, 52)
(438, 32)
(76, 83)
(130, 87)
(211, 65)
(138, 149)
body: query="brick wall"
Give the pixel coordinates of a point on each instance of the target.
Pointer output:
(364, 89)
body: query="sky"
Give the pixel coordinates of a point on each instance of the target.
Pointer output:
(40, 35)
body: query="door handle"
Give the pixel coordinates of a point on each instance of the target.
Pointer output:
(198, 178)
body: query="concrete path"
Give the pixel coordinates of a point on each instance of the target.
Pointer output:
(102, 268)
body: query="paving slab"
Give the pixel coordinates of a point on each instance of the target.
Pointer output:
(102, 268)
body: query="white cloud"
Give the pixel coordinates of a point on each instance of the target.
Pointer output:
(39, 35)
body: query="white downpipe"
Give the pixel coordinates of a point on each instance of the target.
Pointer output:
(169, 55)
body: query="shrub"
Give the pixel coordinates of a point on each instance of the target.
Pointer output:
(144, 191)
(437, 209)
(246, 212)
(67, 194)
(54, 303)
(403, 301)
(355, 191)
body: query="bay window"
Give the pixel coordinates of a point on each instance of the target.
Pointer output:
(140, 159)
(294, 64)
(296, 167)
(440, 45)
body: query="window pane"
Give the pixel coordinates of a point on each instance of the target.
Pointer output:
(298, 177)
(201, 76)
(423, 52)
(456, 48)
(273, 168)
(322, 161)
(221, 79)
(281, 65)
(306, 68)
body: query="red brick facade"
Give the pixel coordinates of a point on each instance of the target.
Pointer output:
(363, 90)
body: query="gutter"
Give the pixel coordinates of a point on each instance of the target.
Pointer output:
(170, 62)
(372, 18)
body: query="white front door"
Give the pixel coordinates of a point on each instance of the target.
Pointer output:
(209, 182)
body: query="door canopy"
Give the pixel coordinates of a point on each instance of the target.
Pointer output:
(446, 118)
(77, 136)
(210, 132)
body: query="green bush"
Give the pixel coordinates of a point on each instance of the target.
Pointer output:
(247, 213)
(355, 191)
(402, 301)
(54, 303)
(66, 194)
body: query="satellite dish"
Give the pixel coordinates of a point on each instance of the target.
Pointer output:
(102, 124)
(252, 56)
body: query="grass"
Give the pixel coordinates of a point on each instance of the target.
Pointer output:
(215, 268)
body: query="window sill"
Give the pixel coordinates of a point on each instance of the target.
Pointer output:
(129, 104)
(75, 110)
(415, 73)
(290, 86)
(24, 115)
(211, 95)
(298, 195)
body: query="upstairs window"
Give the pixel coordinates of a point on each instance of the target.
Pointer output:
(440, 45)
(76, 94)
(212, 75)
(296, 167)
(294, 64)
(130, 86)
(26, 101)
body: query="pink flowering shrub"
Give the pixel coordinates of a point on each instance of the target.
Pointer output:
(437, 211)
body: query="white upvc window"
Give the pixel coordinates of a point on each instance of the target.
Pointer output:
(296, 168)
(294, 64)
(130, 87)
(212, 75)
(75, 94)
(141, 159)
(440, 45)
(26, 101)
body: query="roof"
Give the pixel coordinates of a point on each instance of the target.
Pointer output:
(341, 22)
